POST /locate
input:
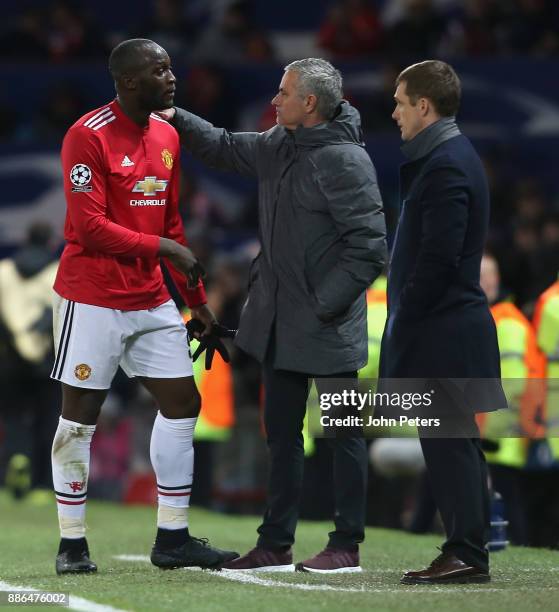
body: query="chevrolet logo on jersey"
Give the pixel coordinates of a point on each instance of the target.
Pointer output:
(150, 186)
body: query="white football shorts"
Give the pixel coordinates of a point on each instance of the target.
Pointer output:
(92, 341)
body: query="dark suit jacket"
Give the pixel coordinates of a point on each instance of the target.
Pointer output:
(439, 324)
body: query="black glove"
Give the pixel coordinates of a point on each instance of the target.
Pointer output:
(210, 342)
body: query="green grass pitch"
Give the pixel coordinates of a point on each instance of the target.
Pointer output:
(522, 579)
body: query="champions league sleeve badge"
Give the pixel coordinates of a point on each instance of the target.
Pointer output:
(80, 177)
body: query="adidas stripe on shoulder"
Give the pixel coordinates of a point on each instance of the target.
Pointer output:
(100, 118)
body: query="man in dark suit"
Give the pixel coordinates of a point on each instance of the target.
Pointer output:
(439, 327)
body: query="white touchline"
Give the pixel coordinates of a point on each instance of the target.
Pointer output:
(76, 603)
(248, 578)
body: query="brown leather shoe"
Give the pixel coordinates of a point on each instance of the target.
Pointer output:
(447, 569)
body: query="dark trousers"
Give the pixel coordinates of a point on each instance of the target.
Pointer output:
(286, 396)
(458, 477)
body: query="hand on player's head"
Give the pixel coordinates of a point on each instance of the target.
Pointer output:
(167, 113)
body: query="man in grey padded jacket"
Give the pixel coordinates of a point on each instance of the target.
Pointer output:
(322, 236)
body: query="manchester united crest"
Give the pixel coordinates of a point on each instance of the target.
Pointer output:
(76, 485)
(82, 371)
(167, 158)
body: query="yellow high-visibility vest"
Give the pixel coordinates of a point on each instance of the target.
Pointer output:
(376, 319)
(217, 415)
(522, 369)
(546, 323)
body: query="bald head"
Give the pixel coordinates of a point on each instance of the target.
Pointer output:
(132, 56)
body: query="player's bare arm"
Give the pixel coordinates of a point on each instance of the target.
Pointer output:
(183, 259)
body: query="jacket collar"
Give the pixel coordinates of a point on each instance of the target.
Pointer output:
(430, 138)
(344, 128)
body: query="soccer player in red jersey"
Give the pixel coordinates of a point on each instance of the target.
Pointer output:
(121, 180)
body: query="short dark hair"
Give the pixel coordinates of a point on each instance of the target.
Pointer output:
(128, 56)
(436, 81)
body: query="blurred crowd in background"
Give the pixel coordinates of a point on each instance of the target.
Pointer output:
(228, 57)
(231, 31)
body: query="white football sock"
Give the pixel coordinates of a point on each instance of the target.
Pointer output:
(172, 457)
(70, 471)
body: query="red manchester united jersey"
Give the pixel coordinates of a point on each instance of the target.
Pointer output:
(121, 182)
